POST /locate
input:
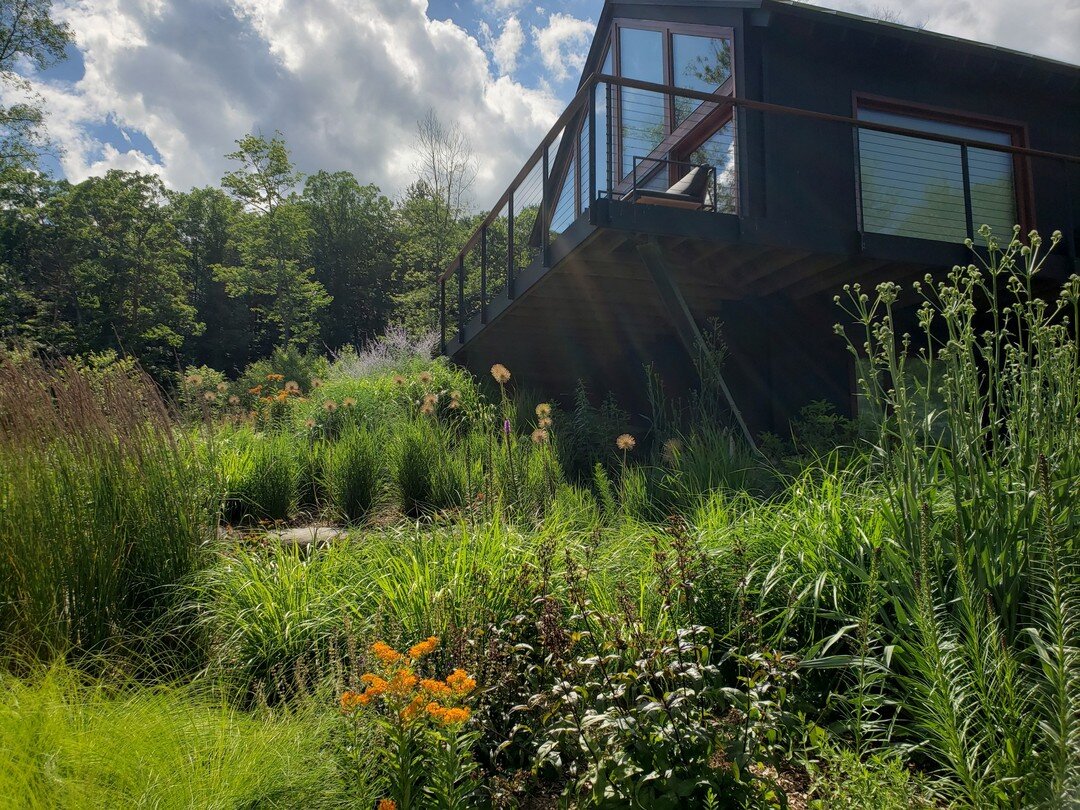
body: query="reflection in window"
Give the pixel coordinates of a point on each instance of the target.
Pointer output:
(719, 153)
(700, 63)
(641, 55)
(914, 187)
(642, 120)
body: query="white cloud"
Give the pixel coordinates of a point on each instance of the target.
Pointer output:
(506, 47)
(1048, 28)
(345, 81)
(563, 44)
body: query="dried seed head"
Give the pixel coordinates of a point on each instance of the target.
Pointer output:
(539, 436)
(626, 442)
(543, 410)
(501, 373)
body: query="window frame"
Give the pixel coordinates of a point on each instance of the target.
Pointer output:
(1017, 131)
(689, 129)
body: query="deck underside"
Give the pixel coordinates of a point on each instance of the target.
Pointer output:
(597, 316)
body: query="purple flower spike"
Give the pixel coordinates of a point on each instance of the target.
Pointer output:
(506, 426)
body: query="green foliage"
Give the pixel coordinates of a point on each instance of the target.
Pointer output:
(841, 781)
(984, 512)
(587, 434)
(125, 261)
(270, 241)
(69, 742)
(105, 511)
(261, 476)
(354, 473)
(352, 239)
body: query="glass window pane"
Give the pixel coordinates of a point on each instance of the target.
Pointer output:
(701, 63)
(642, 122)
(641, 55)
(915, 187)
(993, 199)
(608, 67)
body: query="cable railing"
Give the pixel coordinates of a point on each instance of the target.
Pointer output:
(629, 141)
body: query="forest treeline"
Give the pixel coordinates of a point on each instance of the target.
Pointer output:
(223, 275)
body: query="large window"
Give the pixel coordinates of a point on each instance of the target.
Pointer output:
(919, 187)
(653, 127)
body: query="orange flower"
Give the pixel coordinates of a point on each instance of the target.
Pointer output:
(402, 683)
(423, 648)
(350, 700)
(413, 709)
(460, 682)
(375, 686)
(275, 377)
(435, 688)
(385, 653)
(387, 804)
(256, 390)
(446, 715)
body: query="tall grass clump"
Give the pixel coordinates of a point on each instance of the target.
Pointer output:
(982, 504)
(104, 509)
(261, 473)
(354, 473)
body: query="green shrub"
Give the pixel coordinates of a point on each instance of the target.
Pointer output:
(842, 781)
(354, 473)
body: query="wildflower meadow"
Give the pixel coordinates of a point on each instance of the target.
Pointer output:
(376, 581)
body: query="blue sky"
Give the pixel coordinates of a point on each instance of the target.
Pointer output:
(168, 85)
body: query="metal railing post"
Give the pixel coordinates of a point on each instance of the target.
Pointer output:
(609, 172)
(442, 316)
(969, 215)
(510, 247)
(592, 147)
(545, 237)
(483, 274)
(461, 299)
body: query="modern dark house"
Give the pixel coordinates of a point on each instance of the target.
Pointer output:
(739, 162)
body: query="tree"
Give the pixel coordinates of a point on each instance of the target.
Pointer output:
(352, 241)
(270, 238)
(204, 218)
(28, 33)
(431, 217)
(114, 242)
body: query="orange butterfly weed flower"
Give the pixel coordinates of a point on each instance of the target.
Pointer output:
(402, 683)
(435, 688)
(460, 682)
(385, 653)
(387, 804)
(425, 647)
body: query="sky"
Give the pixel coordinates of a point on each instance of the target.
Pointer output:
(167, 87)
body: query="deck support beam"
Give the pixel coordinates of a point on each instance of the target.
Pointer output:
(685, 325)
